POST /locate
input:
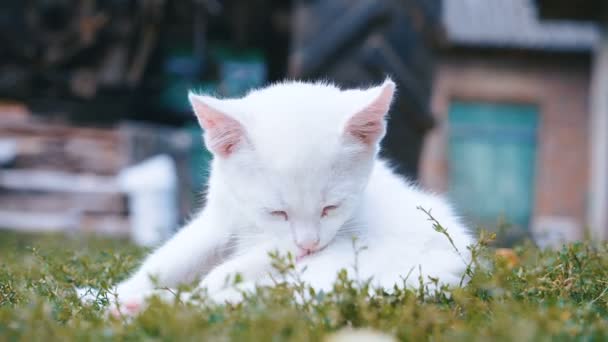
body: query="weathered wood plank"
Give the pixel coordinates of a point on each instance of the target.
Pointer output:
(111, 225)
(61, 147)
(46, 180)
(41, 127)
(110, 203)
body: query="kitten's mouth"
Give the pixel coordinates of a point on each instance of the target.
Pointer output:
(303, 253)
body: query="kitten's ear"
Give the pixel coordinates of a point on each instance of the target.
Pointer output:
(368, 125)
(223, 134)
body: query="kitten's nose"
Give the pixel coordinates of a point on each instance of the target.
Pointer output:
(308, 245)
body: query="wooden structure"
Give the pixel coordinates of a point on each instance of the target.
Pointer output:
(63, 177)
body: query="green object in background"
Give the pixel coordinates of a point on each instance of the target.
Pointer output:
(175, 94)
(492, 156)
(182, 71)
(240, 71)
(238, 77)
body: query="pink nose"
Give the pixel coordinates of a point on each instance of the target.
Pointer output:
(308, 245)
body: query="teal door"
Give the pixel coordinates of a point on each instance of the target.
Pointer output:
(492, 154)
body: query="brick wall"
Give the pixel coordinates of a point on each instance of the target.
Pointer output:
(560, 89)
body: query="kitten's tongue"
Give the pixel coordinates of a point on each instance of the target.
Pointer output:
(303, 254)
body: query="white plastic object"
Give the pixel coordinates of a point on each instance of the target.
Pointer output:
(8, 150)
(152, 189)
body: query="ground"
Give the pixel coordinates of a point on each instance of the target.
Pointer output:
(522, 294)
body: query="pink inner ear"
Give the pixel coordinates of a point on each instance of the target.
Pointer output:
(364, 129)
(223, 137)
(222, 133)
(368, 125)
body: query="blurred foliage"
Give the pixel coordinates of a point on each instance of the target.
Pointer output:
(522, 294)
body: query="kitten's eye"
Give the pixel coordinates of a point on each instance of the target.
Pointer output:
(328, 209)
(280, 214)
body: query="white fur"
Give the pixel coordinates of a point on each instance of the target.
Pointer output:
(296, 156)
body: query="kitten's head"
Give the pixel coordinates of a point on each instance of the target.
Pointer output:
(296, 156)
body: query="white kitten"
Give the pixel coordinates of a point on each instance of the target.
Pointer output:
(295, 169)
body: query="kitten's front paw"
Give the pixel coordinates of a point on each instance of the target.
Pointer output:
(119, 306)
(133, 305)
(125, 304)
(127, 308)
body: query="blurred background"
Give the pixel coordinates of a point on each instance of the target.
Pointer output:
(503, 104)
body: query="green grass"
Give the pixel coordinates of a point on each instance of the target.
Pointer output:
(541, 296)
